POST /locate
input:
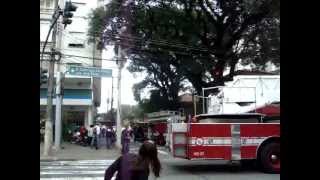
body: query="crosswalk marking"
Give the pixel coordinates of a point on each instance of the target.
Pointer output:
(81, 169)
(74, 178)
(78, 169)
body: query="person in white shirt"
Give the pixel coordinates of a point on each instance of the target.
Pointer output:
(97, 134)
(90, 136)
(98, 129)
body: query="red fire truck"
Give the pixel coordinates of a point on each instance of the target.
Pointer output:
(231, 137)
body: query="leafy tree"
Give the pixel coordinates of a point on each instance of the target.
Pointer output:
(193, 39)
(96, 26)
(161, 74)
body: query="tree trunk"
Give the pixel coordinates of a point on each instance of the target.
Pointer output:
(234, 61)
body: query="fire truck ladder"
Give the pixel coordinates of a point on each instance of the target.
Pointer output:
(205, 102)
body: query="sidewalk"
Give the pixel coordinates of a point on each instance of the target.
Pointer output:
(76, 152)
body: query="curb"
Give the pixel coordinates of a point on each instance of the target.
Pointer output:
(50, 158)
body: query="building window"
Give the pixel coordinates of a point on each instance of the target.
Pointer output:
(46, 4)
(76, 45)
(41, 3)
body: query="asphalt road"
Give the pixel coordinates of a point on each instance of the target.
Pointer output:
(186, 170)
(171, 170)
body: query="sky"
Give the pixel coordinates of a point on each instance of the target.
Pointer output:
(127, 82)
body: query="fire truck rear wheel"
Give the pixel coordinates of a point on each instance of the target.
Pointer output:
(270, 157)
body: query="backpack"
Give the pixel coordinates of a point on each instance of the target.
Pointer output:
(103, 131)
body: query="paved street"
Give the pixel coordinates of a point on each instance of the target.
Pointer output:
(173, 169)
(186, 170)
(94, 170)
(79, 169)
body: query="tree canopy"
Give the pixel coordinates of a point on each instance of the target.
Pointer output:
(192, 40)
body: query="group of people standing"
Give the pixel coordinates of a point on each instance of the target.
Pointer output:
(95, 135)
(98, 133)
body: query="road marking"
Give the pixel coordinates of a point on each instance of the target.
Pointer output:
(81, 170)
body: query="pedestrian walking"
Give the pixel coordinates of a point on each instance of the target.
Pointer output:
(109, 135)
(126, 136)
(90, 136)
(100, 128)
(132, 166)
(95, 139)
(97, 131)
(103, 131)
(113, 137)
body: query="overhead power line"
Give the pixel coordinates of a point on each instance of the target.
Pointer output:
(156, 42)
(150, 41)
(101, 59)
(86, 57)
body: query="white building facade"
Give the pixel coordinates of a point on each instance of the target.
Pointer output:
(81, 94)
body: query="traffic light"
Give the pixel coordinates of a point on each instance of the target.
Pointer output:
(69, 8)
(43, 76)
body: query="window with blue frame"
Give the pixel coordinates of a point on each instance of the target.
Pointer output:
(71, 93)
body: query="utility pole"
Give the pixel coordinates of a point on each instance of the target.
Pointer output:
(118, 122)
(67, 14)
(108, 100)
(58, 119)
(112, 118)
(93, 87)
(49, 119)
(111, 95)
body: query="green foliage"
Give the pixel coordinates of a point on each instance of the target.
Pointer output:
(177, 40)
(265, 46)
(97, 23)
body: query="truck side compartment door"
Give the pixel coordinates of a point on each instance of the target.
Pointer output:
(210, 141)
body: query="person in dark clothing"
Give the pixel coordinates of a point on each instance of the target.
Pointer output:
(95, 138)
(126, 136)
(109, 137)
(136, 167)
(113, 137)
